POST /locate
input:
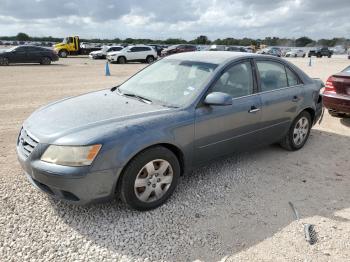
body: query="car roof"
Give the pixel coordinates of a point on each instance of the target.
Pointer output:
(215, 57)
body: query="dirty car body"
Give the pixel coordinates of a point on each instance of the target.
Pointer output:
(202, 121)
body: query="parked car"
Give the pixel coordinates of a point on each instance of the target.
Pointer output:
(348, 53)
(320, 52)
(235, 49)
(271, 51)
(336, 95)
(158, 49)
(28, 54)
(296, 53)
(174, 49)
(138, 53)
(217, 48)
(101, 54)
(136, 140)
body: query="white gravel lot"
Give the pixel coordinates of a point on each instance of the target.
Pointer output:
(233, 209)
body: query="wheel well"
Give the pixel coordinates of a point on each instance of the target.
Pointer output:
(121, 56)
(311, 112)
(174, 149)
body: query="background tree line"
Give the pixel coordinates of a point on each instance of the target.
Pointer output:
(200, 40)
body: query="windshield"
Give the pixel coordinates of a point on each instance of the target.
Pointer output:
(169, 82)
(12, 49)
(65, 40)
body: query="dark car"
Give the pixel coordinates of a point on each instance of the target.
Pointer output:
(28, 54)
(236, 49)
(336, 95)
(137, 139)
(158, 49)
(319, 52)
(174, 49)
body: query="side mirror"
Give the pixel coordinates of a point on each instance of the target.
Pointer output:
(218, 99)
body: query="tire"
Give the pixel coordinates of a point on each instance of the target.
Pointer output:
(63, 53)
(144, 197)
(45, 61)
(295, 55)
(4, 61)
(329, 56)
(150, 59)
(297, 130)
(304, 55)
(121, 60)
(335, 114)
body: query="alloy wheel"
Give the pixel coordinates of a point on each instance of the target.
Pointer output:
(301, 130)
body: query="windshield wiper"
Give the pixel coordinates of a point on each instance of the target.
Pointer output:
(140, 98)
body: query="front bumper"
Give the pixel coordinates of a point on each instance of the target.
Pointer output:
(79, 185)
(112, 58)
(337, 103)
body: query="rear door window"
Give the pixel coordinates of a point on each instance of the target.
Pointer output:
(272, 75)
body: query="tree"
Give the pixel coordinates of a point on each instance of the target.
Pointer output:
(202, 40)
(303, 41)
(22, 37)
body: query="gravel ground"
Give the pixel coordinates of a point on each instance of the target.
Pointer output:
(233, 209)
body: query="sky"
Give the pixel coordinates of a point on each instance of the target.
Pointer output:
(187, 19)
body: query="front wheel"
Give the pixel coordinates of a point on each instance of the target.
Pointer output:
(121, 60)
(298, 132)
(149, 179)
(63, 53)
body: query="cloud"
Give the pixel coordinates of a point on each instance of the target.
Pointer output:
(181, 18)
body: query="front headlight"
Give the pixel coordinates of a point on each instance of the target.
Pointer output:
(71, 155)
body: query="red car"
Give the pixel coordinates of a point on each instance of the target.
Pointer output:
(336, 95)
(174, 49)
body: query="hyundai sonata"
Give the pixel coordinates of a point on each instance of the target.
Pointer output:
(136, 140)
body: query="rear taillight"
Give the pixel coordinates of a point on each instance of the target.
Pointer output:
(329, 85)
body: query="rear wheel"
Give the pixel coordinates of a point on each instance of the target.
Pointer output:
(122, 60)
(45, 60)
(298, 132)
(63, 53)
(150, 178)
(303, 55)
(150, 59)
(4, 61)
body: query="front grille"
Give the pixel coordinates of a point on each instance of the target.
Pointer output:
(26, 143)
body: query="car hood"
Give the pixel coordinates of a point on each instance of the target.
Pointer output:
(115, 53)
(86, 111)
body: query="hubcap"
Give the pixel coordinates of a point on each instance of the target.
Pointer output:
(153, 180)
(301, 130)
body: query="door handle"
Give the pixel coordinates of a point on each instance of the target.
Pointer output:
(254, 109)
(296, 98)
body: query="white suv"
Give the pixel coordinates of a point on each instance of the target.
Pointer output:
(140, 53)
